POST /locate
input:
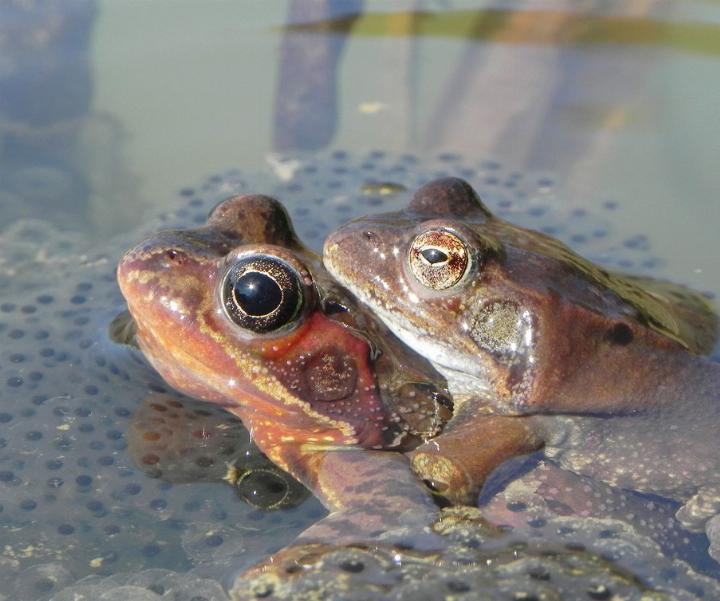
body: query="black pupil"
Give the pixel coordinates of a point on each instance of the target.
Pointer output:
(257, 293)
(434, 255)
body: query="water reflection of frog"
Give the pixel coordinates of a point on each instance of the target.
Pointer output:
(602, 368)
(241, 314)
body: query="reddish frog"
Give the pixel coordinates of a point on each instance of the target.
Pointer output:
(603, 369)
(241, 314)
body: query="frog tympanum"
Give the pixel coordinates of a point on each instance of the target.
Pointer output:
(604, 369)
(241, 314)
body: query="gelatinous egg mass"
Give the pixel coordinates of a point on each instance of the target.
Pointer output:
(106, 474)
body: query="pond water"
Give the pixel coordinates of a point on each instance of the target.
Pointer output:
(595, 122)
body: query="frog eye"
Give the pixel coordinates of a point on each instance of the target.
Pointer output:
(262, 293)
(438, 259)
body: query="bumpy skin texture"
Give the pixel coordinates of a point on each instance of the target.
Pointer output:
(528, 330)
(321, 395)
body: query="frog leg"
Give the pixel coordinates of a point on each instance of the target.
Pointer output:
(367, 493)
(456, 463)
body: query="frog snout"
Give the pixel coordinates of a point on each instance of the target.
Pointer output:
(348, 249)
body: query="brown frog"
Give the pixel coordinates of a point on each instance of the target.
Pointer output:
(603, 369)
(241, 314)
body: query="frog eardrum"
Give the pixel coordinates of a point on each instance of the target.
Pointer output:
(262, 293)
(438, 259)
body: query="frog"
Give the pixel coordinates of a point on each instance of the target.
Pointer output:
(595, 364)
(239, 313)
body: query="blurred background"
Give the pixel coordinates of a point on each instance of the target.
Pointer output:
(108, 108)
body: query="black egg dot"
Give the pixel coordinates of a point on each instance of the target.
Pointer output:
(111, 529)
(16, 334)
(158, 504)
(27, 504)
(7, 307)
(257, 293)
(214, 540)
(44, 585)
(54, 464)
(607, 534)
(33, 435)
(536, 523)
(94, 505)
(158, 589)
(150, 550)
(106, 460)
(5, 418)
(457, 586)
(114, 434)
(575, 547)
(354, 566)
(83, 480)
(191, 506)
(55, 482)
(516, 506)
(133, 488)
(44, 299)
(539, 573)
(65, 529)
(7, 476)
(15, 382)
(47, 352)
(17, 357)
(78, 299)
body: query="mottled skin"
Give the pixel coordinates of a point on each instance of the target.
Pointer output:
(322, 394)
(601, 368)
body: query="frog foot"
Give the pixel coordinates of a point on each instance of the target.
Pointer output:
(456, 464)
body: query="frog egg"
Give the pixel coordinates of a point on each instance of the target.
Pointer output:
(75, 509)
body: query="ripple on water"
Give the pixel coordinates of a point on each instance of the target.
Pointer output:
(73, 503)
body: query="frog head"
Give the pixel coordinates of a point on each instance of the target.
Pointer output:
(510, 316)
(239, 313)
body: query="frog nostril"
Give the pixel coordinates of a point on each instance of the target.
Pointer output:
(175, 257)
(331, 306)
(370, 236)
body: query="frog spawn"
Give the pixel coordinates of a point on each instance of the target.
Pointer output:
(480, 562)
(74, 503)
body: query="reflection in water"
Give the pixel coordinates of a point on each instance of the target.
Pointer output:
(306, 103)
(533, 27)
